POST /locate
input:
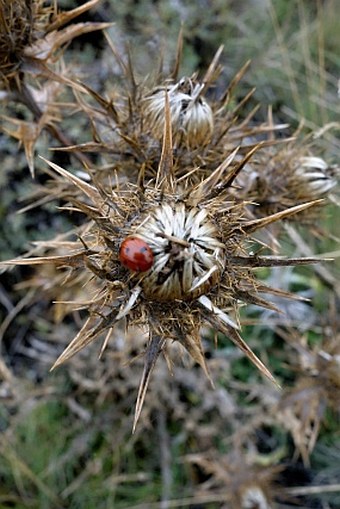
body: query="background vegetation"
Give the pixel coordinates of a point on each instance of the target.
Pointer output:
(66, 437)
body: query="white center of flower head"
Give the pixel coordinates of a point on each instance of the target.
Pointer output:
(188, 257)
(317, 175)
(254, 497)
(191, 116)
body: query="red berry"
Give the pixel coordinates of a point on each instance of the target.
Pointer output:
(136, 254)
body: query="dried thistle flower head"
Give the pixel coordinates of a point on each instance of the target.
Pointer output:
(127, 124)
(189, 257)
(200, 269)
(20, 24)
(30, 35)
(277, 178)
(191, 116)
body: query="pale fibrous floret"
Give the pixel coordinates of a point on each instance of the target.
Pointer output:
(317, 174)
(254, 497)
(189, 258)
(191, 116)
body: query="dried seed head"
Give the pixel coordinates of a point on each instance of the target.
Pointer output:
(30, 31)
(191, 116)
(16, 32)
(277, 179)
(188, 255)
(129, 125)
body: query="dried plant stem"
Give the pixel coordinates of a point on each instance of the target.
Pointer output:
(165, 453)
(313, 490)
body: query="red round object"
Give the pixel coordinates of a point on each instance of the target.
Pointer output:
(136, 254)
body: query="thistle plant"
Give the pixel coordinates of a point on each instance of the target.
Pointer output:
(173, 196)
(169, 253)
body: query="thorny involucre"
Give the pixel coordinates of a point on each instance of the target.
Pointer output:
(199, 235)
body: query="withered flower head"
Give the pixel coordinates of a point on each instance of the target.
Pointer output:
(127, 123)
(278, 178)
(191, 116)
(30, 34)
(188, 246)
(32, 37)
(20, 24)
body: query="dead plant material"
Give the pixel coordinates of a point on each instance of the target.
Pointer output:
(201, 267)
